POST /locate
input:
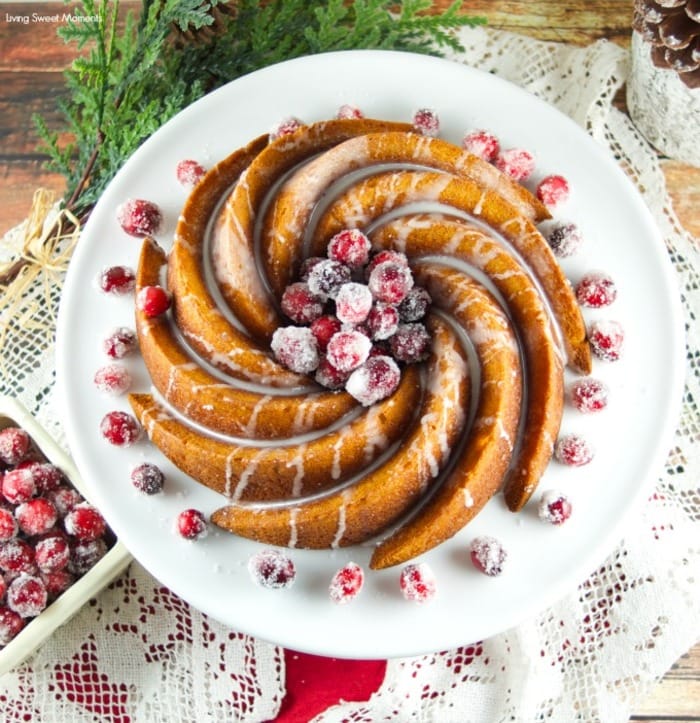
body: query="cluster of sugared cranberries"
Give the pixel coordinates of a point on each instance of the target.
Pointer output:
(554, 507)
(357, 315)
(272, 569)
(417, 582)
(189, 173)
(346, 584)
(49, 535)
(488, 555)
(139, 217)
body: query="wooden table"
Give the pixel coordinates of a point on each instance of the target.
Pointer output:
(31, 62)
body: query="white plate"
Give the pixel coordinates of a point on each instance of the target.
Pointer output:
(632, 436)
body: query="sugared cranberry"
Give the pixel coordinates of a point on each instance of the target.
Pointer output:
(327, 276)
(300, 304)
(117, 280)
(52, 553)
(415, 305)
(390, 282)
(348, 349)
(483, 144)
(120, 429)
(607, 339)
(120, 343)
(153, 300)
(554, 507)
(139, 217)
(16, 556)
(18, 485)
(323, 329)
(516, 163)
(85, 522)
(382, 321)
(295, 347)
(417, 583)
(589, 395)
(85, 555)
(148, 478)
(285, 127)
(596, 290)
(330, 377)
(397, 257)
(565, 239)
(349, 112)
(57, 581)
(350, 247)
(46, 475)
(573, 450)
(272, 569)
(376, 379)
(346, 583)
(410, 343)
(27, 595)
(36, 516)
(112, 379)
(191, 524)
(488, 555)
(426, 122)
(14, 445)
(8, 525)
(11, 624)
(307, 264)
(553, 191)
(3, 587)
(64, 498)
(189, 173)
(353, 303)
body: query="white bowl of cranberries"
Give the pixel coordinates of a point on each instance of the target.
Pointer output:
(56, 550)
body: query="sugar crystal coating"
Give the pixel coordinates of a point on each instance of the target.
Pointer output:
(353, 303)
(300, 304)
(390, 281)
(483, 144)
(295, 347)
(189, 173)
(554, 507)
(117, 280)
(589, 395)
(350, 247)
(112, 379)
(349, 111)
(147, 478)
(426, 122)
(410, 343)
(153, 300)
(573, 450)
(52, 553)
(596, 290)
(139, 217)
(86, 554)
(120, 342)
(565, 239)
(516, 163)
(326, 277)
(8, 525)
(417, 582)
(120, 428)
(36, 516)
(415, 304)
(346, 583)
(607, 339)
(191, 524)
(27, 595)
(272, 569)
(382, 321)
(11, 624)
(285, 127)
(14, 445)
(85, 522)
(377, 379)
(488, 555)
(18, 485)
(553, 191)
(348, 349)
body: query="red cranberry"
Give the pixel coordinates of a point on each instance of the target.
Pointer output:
(483, 144)
(565, 239)
(589, 395)
(382, 321)
(350, 247)
(285, 127)
(376, 379)
(85, 555)
(516, 163)
(330, 377)
(272, 569)
(300, 304)
(16, 556)
(64, 498)
(191, 524)
(415, 305)
(18, 485)
(8, 525)
(390, 282)
(148, 478)
(426, 122)
(348, 349)
(327, 276)
(120, 343)
(349, 112)
(323, 329)
(120, 429)
(10, 624)
(112, 379)
(554, 507)
(57, 581)
(36, 516)
(606, 339)
(307, 265)
(353, 303)
(553, 191)
(27, 595)
(117, 280)
(488, 555)
(52, 553)
(596, 290)
(417, 583)
(14, 445)
(346, 583)
(410, 343)
(46, 475)
(380, 257)
(139, 217)
(85, 522)
(153, 300)
(573, 450)
(3, 587)
(189, 173)
(295, 347)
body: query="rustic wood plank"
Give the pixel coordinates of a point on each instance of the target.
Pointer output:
(18, 181)
(683, 182)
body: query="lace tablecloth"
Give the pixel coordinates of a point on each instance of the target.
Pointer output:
(140, 653)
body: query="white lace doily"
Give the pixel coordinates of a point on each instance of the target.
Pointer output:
(140, 653)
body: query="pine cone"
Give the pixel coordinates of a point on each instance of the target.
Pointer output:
(672, 29)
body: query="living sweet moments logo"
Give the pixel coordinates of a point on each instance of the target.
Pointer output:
(48, 18)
